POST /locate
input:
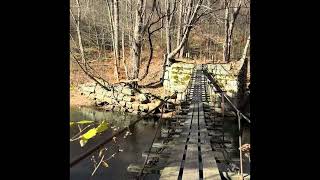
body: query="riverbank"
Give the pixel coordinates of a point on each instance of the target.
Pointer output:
(78, 100)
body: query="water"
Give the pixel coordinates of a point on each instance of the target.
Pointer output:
(133, 145)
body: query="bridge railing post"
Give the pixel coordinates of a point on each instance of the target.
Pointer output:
(240, 143)
(222, 112)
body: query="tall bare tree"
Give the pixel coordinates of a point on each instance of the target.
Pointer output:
(115, 32)
(179, 23)
(113, 26)
(137, 39)
(116, 36)
(78, 31)
(230, 19)
(170, 6)
(142, 22)
(190, 23)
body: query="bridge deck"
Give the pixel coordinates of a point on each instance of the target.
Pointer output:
(193, 158)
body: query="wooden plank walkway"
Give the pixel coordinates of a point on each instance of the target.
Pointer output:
(192, 158)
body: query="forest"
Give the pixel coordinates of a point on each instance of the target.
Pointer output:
(168, 80)
(133, 40)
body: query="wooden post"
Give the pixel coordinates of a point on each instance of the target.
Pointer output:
(222, 111)
(240, 143)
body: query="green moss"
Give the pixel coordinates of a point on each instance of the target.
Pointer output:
(175, 77)
(186, 78)
(177, 68)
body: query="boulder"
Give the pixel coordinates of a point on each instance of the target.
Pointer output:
(152, 106)
(120, 97)
(109, 93)
(135, 106)
(129, 105)
(99, 97)
(143, 98)
(116, 108)
(114, 94)
(86, 93)
(128, 98)
(144, 107)
(99, 89)
(92, 96)
(127, 91)
(122, 103)
(143, 113)
(90, 89)
(135, 112)
(232, 83)
(108, 107)
(108, 100)
(118, 88)
(123, 109)
(114, 101)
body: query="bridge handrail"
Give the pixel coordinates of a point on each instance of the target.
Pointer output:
(217, 88)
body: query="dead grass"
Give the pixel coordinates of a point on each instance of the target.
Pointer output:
(77, 100)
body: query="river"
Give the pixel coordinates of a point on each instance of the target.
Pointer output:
(132, 146)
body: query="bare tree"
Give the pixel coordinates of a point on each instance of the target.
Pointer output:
(137, 39)
(113, 26)
(141, 24)
(245, 49)
(179, 23)
(150, 33)
(191, 22)
(116, 36)
(78, 31)
(115, 40)
(230, 18)
(87, 69)
(169, 5)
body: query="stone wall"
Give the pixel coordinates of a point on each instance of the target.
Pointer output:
(177, 78)
(119, 98)
(226, 79)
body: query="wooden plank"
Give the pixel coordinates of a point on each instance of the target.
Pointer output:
(215, 123)
(161, 145)
(191, 165)
(210, 167)
(155, 155)
(212, 133)
(171, 171)
(136, 168)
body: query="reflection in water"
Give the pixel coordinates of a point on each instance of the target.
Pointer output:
(133, 145)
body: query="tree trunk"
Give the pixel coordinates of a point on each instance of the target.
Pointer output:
(245, 49)
(229, 26)
(168, 35)
(111, 20)
(179, 24)
(116, 36)
(123, 56)
(185, 37)
(226, 28)
(137, 40)
(79, 34)
(189, 5)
